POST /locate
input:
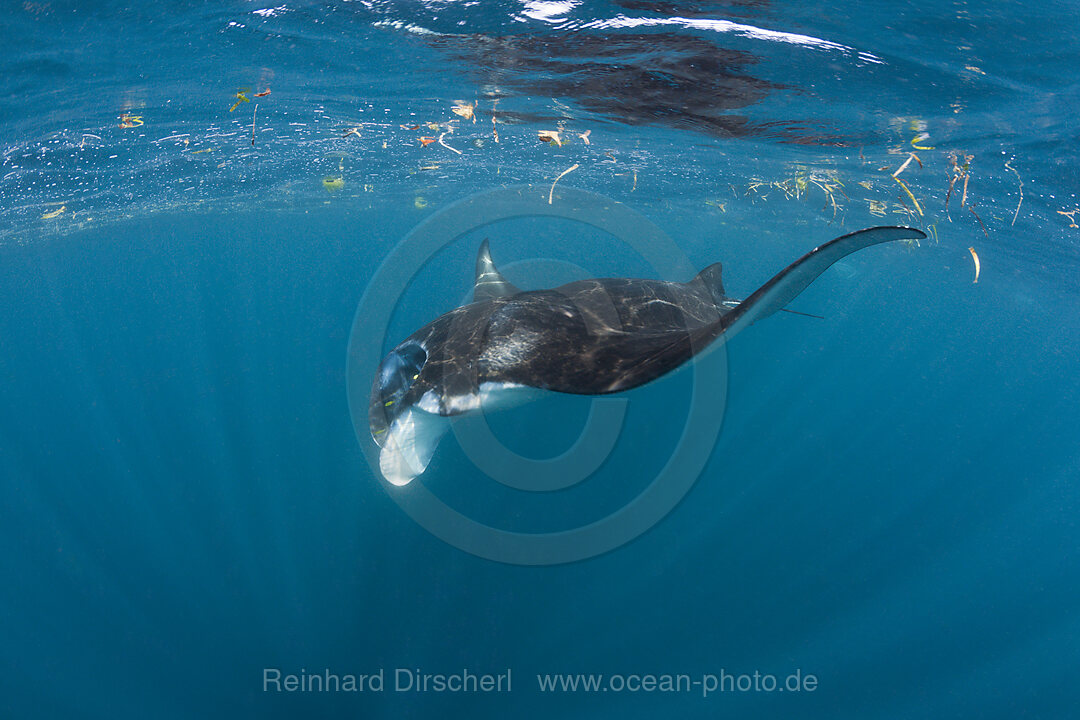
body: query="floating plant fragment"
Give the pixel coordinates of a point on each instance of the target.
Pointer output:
(900, 182)
(464, 109)
(959, 171)
(550, 136)
(922, 137)
(1020, 180)
(570, 169)
(971, 207)
(447, 146)
(241, 96)
(910, 157)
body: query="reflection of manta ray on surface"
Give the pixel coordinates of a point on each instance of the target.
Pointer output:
(589, 337)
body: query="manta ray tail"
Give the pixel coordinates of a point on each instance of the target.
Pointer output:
(797, 276)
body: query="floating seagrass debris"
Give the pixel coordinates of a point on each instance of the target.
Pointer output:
(54, 213)
(130, 121)
(551, 193)
(922, 137)
(910, 157)
(447, 146)
(971, 207)
(241, 96)
(464, 110)
(550, 136)
(975, 257)
(264, 93)
(585, 136)
(426, 140)
(1010, 167)
(900, 182)
(959, 172)
(1071, 215)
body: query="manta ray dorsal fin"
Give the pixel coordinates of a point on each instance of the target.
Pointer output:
(712, 278)
(797, 276)
(489, 281)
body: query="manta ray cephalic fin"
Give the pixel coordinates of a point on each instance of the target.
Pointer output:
(489, 281)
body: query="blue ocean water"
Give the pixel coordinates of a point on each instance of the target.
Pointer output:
(890, 505)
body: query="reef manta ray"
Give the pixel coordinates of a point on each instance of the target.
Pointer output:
(589, 337)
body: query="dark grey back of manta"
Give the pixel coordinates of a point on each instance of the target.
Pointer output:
(589, 337)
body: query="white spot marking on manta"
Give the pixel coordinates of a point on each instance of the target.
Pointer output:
(429, 402)
(502, 395)
(459, 404)
(515, 347)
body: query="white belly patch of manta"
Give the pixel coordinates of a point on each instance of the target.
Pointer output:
(416, 433)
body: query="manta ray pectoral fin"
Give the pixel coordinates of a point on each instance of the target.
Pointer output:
(489, 281)
(797, 276)
(409, 445)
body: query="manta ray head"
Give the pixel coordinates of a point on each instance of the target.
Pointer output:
(404, 421)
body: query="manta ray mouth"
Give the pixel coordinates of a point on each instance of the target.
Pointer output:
(415, 433)
(411, 439)
(409, 445)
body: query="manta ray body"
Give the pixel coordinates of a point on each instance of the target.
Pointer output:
(589, 337)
